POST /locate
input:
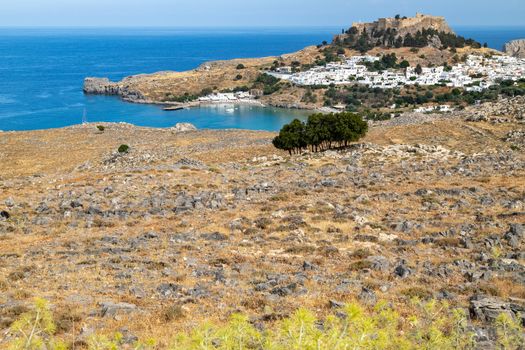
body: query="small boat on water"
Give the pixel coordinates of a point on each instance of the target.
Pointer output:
(173, 108)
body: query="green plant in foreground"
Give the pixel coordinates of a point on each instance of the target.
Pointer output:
(123, 149)
(509, 332)
(35, 329)
(101, 128)
(432, 325)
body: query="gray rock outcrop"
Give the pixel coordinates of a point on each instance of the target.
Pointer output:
(104, 86)
(487, 308)
(100, 86)
(515, 48)
(183, 127)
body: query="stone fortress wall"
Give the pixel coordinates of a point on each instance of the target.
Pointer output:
(404, 26)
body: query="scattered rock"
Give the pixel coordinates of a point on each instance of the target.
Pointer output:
(402, 271)
(487, 308)
(183, 127)
(112, 309)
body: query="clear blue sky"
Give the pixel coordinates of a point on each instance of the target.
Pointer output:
(250, 12)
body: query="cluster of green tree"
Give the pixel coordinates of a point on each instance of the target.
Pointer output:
(507, 88)
(388, 61)
(415, 99)
(243, 88)
(321, 132)
(309, 96)
(330, 54)
(358, 97)
(187, 97)
(423, 38)
(268, 83)
(389, 37)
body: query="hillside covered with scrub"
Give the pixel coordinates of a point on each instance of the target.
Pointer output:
(410, 235)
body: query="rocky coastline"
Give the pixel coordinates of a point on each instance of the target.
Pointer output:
(103, 86)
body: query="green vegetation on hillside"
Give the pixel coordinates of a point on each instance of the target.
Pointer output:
(431, 325)
(269, 84)
(364, 41)
(361, 98)
(321, 132)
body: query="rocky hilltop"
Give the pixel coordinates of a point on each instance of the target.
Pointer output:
(515, 48)
(404, 25)
(419, 31)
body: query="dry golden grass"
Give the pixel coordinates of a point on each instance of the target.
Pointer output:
(60, 261)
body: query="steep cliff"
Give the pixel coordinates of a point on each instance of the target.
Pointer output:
(515, 48)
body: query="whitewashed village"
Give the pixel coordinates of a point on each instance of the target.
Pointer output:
(475, 74)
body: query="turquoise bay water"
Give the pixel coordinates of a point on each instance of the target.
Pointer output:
(42, 71)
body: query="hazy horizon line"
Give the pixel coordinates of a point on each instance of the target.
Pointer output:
(226, 26)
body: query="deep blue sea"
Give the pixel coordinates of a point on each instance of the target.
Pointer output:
(42, 71)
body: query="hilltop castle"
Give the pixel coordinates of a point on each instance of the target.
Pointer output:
(405, 25)
(419, 31)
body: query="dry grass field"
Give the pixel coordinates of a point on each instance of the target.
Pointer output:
(195, 226)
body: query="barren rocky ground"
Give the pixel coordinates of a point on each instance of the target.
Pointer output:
(215, 222)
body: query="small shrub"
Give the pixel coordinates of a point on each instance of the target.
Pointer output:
(123, 149)
(34, 330)
(417, 292)
(448, 242)
(263, 223)
(4, 285)
(240, 66)
(509, 332)
(361, 253)
(278, 198)
(360, 265)
(16, 275)
(66, 320)
(172, 313)
(101, 128)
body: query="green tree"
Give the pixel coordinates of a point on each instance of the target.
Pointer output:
(419, 69)
(291, 137)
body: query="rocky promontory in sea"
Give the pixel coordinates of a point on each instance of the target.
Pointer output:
(103, 86)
